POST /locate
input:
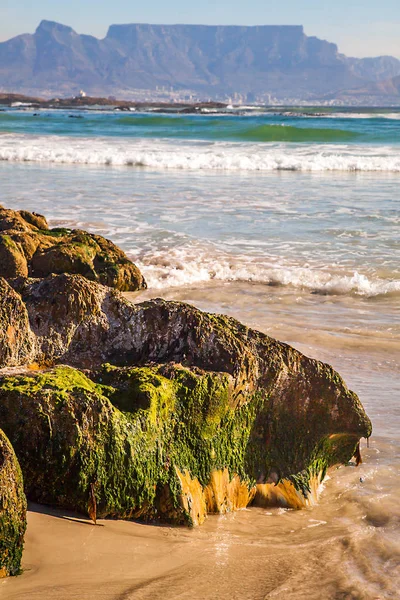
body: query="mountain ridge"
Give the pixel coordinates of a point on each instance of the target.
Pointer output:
(245, 63)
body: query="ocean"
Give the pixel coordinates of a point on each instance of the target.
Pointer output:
(289, 220)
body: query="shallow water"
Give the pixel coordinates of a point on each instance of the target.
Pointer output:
(311, 258)
(330, 233)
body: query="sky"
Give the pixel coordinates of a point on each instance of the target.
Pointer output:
(360, 27)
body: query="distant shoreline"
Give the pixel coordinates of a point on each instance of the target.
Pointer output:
(13, 100)
(10, 100)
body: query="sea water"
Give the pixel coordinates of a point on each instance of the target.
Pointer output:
(289, 221)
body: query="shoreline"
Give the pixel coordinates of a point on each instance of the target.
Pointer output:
(15, 100)
(86, 102)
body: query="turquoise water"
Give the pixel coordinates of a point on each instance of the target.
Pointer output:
(328, 127)
(234, 140)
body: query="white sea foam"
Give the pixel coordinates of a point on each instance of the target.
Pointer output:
(180, 154)
(373, 115)
(192, 265)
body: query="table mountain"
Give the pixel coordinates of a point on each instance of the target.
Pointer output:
(209, 61)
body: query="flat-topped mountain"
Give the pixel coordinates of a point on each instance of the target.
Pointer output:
(255, 63)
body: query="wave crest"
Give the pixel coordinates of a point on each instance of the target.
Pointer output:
(288, 133)
(191, 266)
(223, 156)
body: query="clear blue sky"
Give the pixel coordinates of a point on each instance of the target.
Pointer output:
(359, 27)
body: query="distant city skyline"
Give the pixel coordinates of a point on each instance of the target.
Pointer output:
(360, 28)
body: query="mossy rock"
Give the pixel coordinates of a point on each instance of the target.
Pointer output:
(191, 411)
(137, 437)
(34, 219)
(12, 259)
(12, 510)
(88, 255)
(71, 437)
(21, 220)
(29, 247)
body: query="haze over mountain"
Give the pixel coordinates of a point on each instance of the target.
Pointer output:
(246, 63)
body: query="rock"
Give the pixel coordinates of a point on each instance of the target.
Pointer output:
(89, 255)
(37, 221)
(205, 416)
(71, 437)
(12, 259)
(20, 220)
(12, 510)
(17, 342)
(29, 247)
(76, 321)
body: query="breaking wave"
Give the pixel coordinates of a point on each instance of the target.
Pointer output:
(234, 130)
(288, 133)
(193, 265)
(191, 155)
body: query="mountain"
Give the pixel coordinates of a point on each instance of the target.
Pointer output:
(376, 93)
(376, 69)
(247, 63)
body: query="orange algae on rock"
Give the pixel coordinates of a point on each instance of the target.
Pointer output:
(225, 493)
(221, 495)
(285, 495)
(192, 498)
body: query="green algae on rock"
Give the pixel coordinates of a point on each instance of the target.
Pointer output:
(70, 435)
(29, 247)
(12, 510)
(156, 441)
